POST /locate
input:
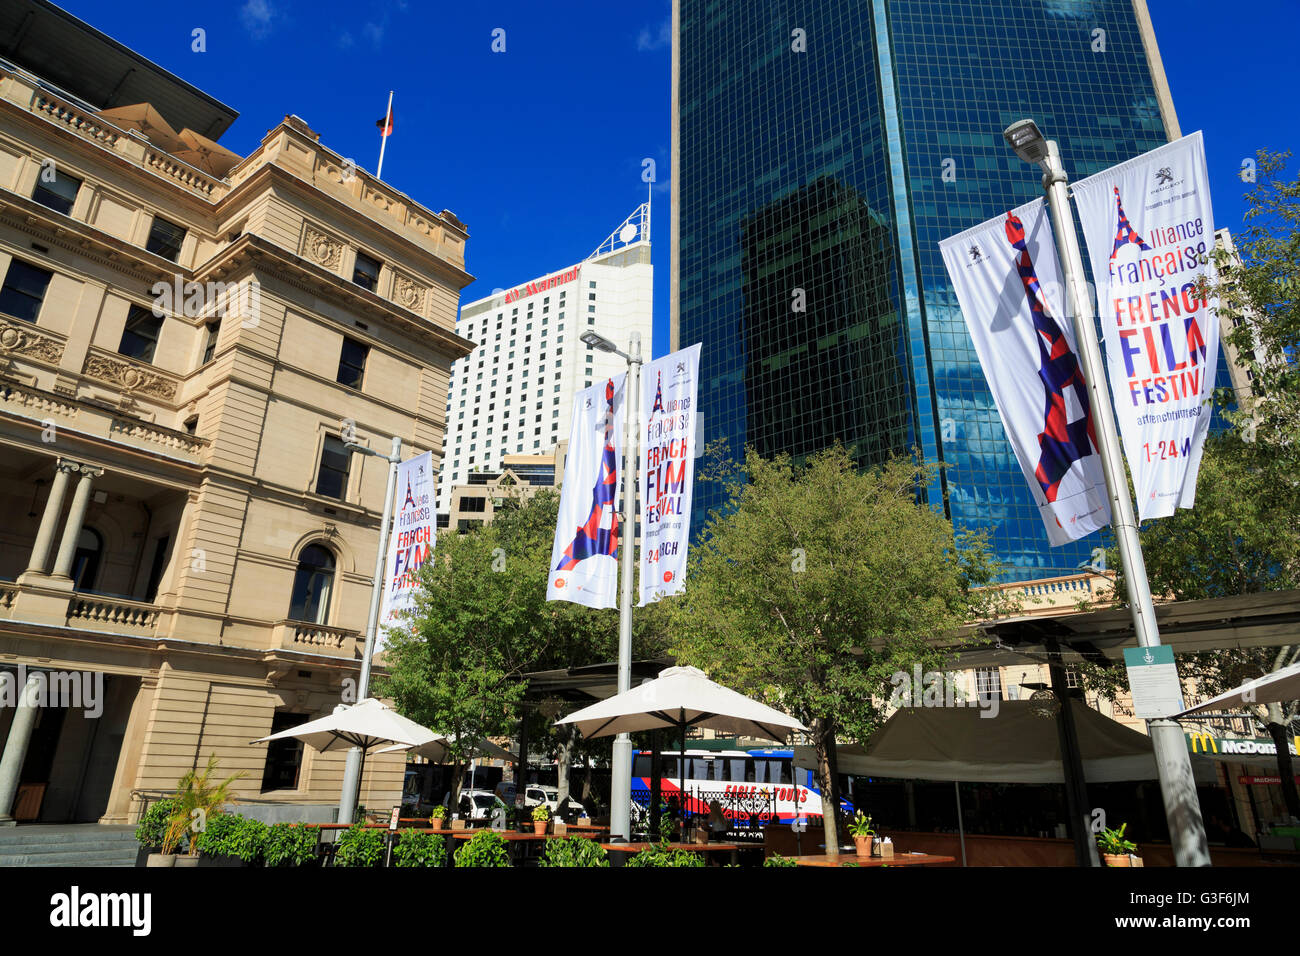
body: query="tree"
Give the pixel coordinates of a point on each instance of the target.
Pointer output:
(817, 583)
(1243, 536)
(482, 622)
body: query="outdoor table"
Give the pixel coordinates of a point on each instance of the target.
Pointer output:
(731, 848)
(899, 859)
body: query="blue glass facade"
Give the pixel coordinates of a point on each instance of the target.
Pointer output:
(815, 186)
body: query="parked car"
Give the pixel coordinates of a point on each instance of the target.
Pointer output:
(540, 793)
(477, 804)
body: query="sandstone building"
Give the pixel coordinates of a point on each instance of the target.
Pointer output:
(181, 516)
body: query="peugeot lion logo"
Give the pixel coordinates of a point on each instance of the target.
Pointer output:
(1164, 175)
(975, 254)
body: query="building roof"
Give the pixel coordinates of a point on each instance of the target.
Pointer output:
(78, 59)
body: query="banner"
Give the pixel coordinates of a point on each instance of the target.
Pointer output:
(584, 557)
(668, 406)
(1149, 230)
(1008, 282)
(411, 542)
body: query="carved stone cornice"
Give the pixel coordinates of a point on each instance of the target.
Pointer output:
(26, 340)
(129, 377)
(321, 248)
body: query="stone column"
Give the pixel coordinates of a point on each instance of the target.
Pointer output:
(76, 517)
(15, 752)
(40, 561)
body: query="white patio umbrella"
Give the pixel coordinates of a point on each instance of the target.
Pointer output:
(681, 697)
(367, 724)
(437, 749)
(1279, 686)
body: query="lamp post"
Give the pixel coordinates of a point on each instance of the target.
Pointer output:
(620, 789)
(1174, 767)
(352, 772)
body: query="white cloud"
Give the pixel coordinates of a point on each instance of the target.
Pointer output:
(374, 32)
(258, 18)
(648, 40)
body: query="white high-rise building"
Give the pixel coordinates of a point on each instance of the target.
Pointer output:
(514, 393)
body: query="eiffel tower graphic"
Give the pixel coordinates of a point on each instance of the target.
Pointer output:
(1125, 233)
(590, 538)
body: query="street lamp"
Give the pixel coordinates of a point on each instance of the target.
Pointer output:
(620, 790)
(1174, 767)
(352, 772)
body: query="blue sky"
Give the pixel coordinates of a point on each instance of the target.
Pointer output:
(539, 149)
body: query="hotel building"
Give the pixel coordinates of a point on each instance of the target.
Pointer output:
(514, 394)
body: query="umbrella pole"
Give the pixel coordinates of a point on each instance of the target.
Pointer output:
(361, 779)
(656, 782)
(682, 770)
(961, 829)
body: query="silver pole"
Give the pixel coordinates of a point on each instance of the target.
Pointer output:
(1174, 766)
(352, 772)
(620, 789)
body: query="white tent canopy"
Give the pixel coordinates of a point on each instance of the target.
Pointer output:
(680, 697)
(1281, 686)
(366, 724)
(1016, 746)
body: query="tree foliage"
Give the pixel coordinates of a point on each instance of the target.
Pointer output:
(818, 582)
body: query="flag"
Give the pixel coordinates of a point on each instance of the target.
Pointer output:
(410, 543)
(1149, 228)
(385, 123)
(1007, 278)
(584, 555)
(668, 404)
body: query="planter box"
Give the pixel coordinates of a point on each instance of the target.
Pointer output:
(559, 829)
(160, 859)
(220, 860)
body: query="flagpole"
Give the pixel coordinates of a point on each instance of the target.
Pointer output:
(383, 140)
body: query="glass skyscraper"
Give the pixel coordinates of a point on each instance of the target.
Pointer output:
(823, 149)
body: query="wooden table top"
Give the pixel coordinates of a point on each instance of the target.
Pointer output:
(691, 847)
(899, 859)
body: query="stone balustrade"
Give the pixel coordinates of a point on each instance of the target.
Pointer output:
(317, 638)
(112, 614)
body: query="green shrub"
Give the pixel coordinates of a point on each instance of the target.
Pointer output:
(662, 855)
(359, 846)
(218, 834)
(247, 840)
(290, 844)
(485, 848)
(152, 828)
(776, 859)
(574, 851)
(414, 848)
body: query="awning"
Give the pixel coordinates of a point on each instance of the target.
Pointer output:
(1016, 746)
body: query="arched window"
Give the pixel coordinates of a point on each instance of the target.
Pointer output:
(312, 584)
(85, 561)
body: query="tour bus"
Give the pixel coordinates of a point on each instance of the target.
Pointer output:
(743, 781)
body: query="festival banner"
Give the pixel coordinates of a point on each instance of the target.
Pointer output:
(584, 557)
(668, 404)
(1008, 282)
(1150, 230)
(410, 542)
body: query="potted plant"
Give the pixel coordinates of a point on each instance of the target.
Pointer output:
(199, 798)
(151, 832)
(1116, 850)
(438, 817)
(860, 829)
(541, 817)
(359, 845)
(216, 840)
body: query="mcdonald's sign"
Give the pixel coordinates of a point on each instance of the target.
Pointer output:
(1205, 742)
